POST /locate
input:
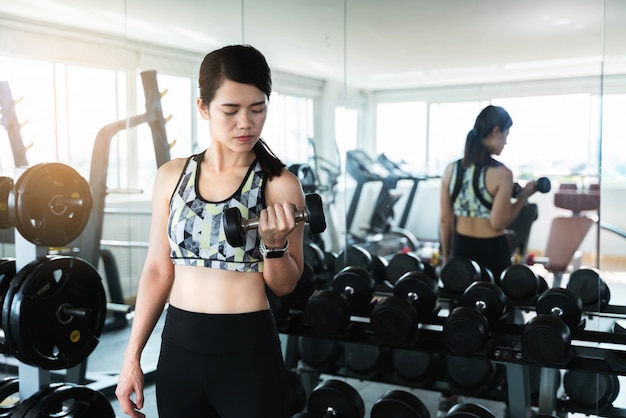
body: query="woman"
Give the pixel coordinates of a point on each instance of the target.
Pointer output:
(475, 198)
(220, 352)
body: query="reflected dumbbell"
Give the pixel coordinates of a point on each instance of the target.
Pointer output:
(467, 328)
(395, 318)
(357, 255)
(399, 404)
(591, 288)
(328, 311)
(460, 272)
(235, 227)
(521, 284)
(591, 391)
(404, 262)
(469, 410)
(542, 185)
(546, 338)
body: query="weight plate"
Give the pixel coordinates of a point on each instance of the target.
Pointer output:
(7, 272)
(590, 288)
(562, 302)
(458, 273)
(337, 398)
(231, 219)
(546, 339)
(469, 372)
(315, 213)
(393, 320)
(402, 263)
(591, 390)
(72, 401)
(313, 256)
(469, 410)
(355, 255)
(42, 332)
(6, 185)
(363, 358)
(9, 396)
(420, 289)
(465, 330)
(519, 281)
(318, 353)
(51, 204)
(357, 286)
(327, 312)
(399, 404)
(23, 409)
(486, 297)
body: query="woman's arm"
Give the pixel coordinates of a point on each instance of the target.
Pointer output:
(277, 225)
(504, 211)
(446, 215)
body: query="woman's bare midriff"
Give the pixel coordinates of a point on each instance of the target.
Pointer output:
(207, 290)
(476, 227)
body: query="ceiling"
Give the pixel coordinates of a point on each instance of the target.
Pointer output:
(371, 44)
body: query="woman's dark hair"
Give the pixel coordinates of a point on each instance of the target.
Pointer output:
(488, 119)
(242, 64)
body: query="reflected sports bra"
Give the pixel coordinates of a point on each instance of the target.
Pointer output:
(469, 193)
(195, 229)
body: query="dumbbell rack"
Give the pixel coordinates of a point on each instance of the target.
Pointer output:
(429, 339)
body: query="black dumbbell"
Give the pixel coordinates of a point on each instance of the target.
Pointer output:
(542, 185)
(521, 284)
(546, 338)
(403, 262)
(335, 398)
(394, 319)
(591, 288)
(465, 410)
(591, 391)
(400, 404)
(460, 272)
(358, 255)
(328, 311)
(467, 328)
(235, 227)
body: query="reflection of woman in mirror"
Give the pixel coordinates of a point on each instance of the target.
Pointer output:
(220, 350)
(476, 204)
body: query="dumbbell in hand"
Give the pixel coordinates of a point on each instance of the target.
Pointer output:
(542, 185)
(236, 227)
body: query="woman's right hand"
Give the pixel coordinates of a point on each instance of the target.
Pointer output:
(131, 381)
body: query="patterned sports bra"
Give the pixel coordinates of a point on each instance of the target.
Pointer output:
(469, 193)
(195, 230)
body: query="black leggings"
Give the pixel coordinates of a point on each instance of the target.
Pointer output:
(493, 253)
(221, 365)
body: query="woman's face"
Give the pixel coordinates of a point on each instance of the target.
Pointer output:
(497, 140)
(236, 115)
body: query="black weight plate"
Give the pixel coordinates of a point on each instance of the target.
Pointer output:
(465, 330)
(313, 256)
(564, 302)
(355, 255)
(379, 268)
(469, 410)
(546, 339)
(402, 263)
(9, 395)
(25, 406)
(519, 281)
(458, 273)
(315, 213)
(363, 358)
(9, 346)
(589, 286)
(469, 372)
(591, 390)
(357, 285)
(72, 401)
(38, 216)
(318, 353)
(337, 396)
(393, 320)
(6, 185)
(398, 403)
(486, 297)
(7, 272)
(420, 289)
(42, 335)
(231, 219)
(414, 365)
(327, 312)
